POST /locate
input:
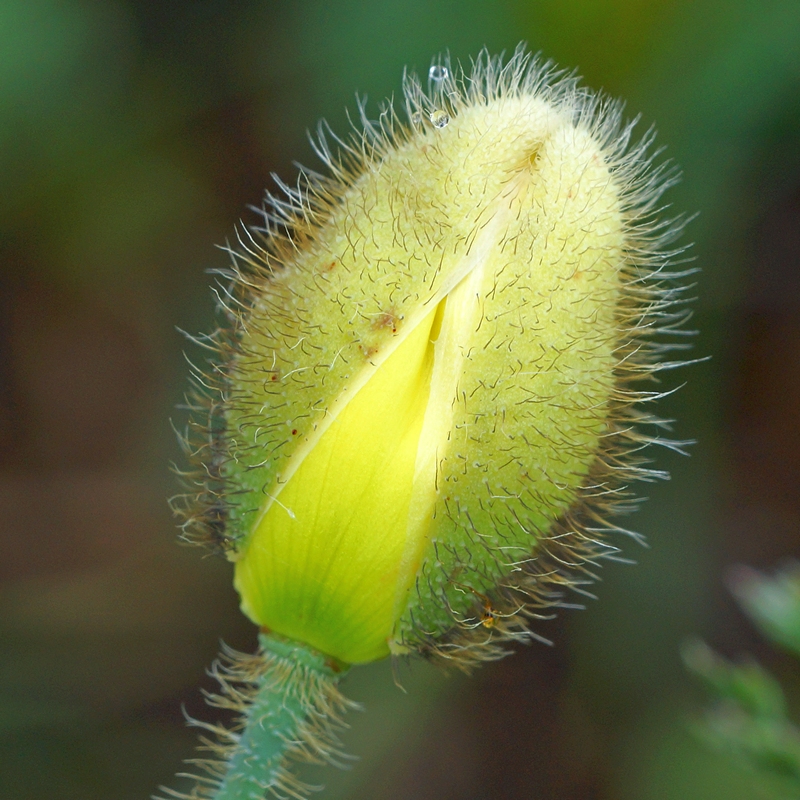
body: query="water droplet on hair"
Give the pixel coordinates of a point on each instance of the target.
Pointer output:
(439, 118)
(416, 117)
(438, 73)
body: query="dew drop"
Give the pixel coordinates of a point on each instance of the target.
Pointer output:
(438, 74)
(416, 117)
(439, 118)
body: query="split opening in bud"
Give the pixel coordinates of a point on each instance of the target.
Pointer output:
(333, 558)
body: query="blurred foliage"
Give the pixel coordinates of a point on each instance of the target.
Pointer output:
(132, 136)
(773, 603)
(749, 719)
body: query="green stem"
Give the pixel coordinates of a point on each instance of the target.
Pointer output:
(290, 711)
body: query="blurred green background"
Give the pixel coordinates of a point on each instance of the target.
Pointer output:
(133, 135)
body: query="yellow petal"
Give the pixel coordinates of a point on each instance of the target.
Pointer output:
(326, 561)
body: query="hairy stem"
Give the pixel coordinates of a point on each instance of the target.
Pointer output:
(290, 710)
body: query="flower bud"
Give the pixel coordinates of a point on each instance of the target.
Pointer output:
(423, 410)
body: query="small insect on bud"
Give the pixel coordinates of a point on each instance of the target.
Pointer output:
(424, 408)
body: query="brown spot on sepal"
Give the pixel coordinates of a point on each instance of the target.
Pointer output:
(387, 320)
(368, 351)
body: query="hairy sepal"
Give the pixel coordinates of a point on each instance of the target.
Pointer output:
(526, 224)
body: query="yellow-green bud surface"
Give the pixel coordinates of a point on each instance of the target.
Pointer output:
(425, 381)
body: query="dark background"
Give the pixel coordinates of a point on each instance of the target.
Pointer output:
(133, 135)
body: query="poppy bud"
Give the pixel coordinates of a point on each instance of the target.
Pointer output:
(424, 407)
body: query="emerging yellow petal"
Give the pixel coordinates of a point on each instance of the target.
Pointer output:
(326, 561)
